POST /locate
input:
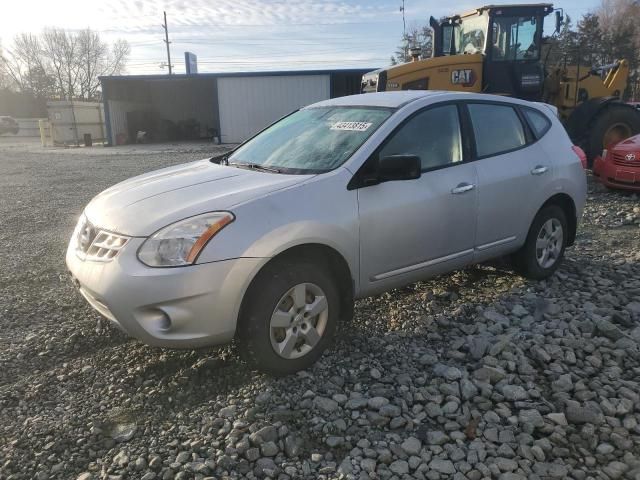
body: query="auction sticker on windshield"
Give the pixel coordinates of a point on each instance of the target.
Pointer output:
(351, 126)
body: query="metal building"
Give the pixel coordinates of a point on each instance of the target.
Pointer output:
(230, 106)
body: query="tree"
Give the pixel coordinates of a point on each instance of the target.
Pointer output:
(418, 36)
(63, 64)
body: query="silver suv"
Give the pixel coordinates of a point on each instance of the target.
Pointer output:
(343, 199)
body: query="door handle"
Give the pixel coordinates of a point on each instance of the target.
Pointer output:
(462, 188)
(539, 170)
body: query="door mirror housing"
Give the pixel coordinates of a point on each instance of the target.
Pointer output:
(399, 167)
(559, 20)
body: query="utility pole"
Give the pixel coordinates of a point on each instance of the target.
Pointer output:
(166, 40)
(404, 32)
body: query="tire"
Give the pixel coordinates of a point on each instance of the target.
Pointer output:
(617, 122)
(271, 298)
(530, 260)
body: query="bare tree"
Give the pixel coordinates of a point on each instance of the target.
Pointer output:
(418, 37)
(97, 59)
(63, 64)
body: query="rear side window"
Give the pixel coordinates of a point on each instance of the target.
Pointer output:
(539, 122)
(497, 128)
(433, 135)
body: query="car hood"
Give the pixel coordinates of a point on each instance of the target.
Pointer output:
(142, 205)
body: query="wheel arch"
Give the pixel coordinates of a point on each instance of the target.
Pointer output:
(322, 254)
(567, 204)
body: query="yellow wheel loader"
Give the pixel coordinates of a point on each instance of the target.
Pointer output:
(499, 49)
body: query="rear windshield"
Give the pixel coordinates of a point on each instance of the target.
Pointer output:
(314, 140)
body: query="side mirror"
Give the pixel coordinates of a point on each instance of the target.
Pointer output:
(559, 21)
(399, 167)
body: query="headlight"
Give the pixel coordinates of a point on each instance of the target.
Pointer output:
(180, 243)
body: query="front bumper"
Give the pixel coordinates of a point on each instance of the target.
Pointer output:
(183, 307)
(616, 176)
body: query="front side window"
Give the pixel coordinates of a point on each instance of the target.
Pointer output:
(472, 34)
(515, 38)
(433, 135)
(497, 128)
(313, 140)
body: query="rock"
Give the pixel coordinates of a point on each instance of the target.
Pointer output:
(478, 346)
(123, 432)
(633, 307)
(265, 434)
(399, 467)
(345, 468)
(442, 466)
(532, 418)
(519, 311)
(292, 446)
(608, 329)
(227, 412)
(376, 403)
(334, 441)
(327, 405)
(605, 449)
(85, 476)
(375, 374)
(390, 411)
(269, 449)
(489, 374)
(562, 384)
(252, 454)
(368, 465)
(412, 446)
(447, 372)
(265, 465)
(121, 459)
(615, 470)
(558, 419)
(579, 415)
(468, 390)
(495, 317)
(514, 393)
(436, 438)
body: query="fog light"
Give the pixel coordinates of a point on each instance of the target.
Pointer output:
(159, 320)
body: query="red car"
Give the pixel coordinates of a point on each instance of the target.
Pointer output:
(619, 167)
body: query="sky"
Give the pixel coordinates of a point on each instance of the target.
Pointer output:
(246, 35)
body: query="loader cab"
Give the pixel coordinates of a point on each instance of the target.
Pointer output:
(509, 37)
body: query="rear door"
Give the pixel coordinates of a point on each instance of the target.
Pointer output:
(513, 171)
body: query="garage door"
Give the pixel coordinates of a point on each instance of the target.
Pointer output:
(248, 104)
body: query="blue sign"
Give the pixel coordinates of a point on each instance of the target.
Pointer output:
(190, 62)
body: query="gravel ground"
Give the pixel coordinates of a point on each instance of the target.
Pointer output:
(477, 374)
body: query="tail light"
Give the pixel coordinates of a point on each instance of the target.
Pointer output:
(583, 156)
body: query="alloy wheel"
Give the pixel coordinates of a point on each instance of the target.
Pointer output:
(549, 243)
(299, 321)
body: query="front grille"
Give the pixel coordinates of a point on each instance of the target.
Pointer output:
(95, 244)
(622, 160)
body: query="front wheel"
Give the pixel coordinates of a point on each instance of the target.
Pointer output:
(545, 245)
(288, 317)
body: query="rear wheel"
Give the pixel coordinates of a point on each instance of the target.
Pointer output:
(546, 241)
(288, 317)
(612, 125)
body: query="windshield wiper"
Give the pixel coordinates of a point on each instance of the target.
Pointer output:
(254, 166)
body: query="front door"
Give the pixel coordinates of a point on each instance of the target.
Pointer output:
(413, 229)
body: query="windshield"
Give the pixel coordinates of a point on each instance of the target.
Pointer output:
(314, 140)
(515, 38)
